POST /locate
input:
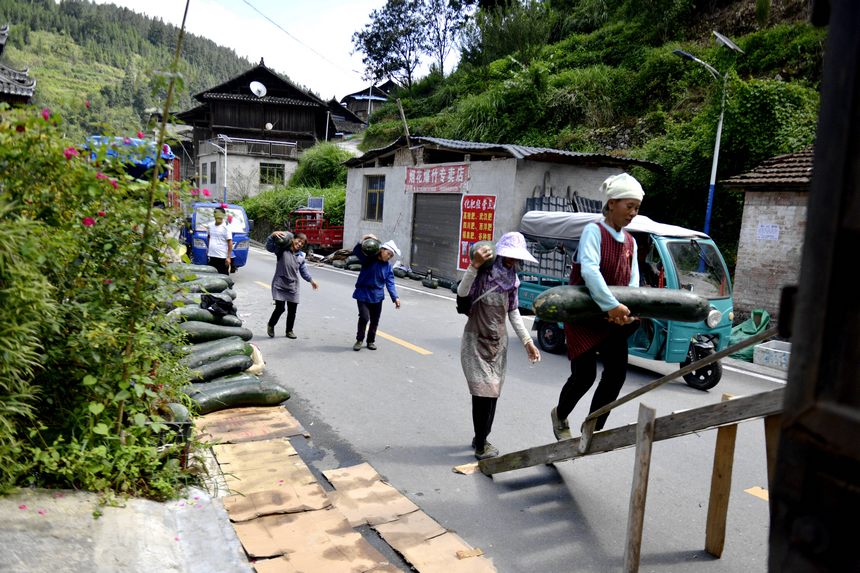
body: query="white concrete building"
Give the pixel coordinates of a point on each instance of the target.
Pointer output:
(439, 195)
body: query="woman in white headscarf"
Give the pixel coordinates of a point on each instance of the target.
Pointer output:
(606, 257)
(484, 346)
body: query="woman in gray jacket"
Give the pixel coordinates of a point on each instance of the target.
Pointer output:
(285, 284)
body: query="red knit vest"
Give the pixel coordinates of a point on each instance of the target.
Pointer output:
(616, 266)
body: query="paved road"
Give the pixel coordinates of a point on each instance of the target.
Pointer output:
(405, 410)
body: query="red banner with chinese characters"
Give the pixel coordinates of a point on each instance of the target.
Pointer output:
(477, 213)
(437, 179)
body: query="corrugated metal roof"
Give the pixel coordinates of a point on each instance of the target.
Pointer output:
(789, 171)
(265, 99)
(507, 150)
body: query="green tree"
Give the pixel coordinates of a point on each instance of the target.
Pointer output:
(392, 43)
(445, 20)
(521, 30)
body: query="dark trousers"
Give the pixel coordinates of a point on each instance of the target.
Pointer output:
(220, 265)
(483, 413)
(279, 310)
(583, 372)
(368, 312)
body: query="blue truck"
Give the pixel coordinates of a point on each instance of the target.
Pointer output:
(196, 236)
(669, 257)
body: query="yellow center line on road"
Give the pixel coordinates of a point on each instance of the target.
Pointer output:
(758, 492)
(394, 339)
(404, 344)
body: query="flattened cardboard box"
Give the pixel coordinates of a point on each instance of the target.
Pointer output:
(248, 424)
(252, 467)
(429, 547)
(287, 499)
(309, 531)
(365, 559)
(362, 496)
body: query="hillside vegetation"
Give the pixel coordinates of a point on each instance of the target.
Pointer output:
(601, 76)
(583, 75)
(110, 58)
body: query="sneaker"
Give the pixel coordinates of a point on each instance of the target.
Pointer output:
(291, 334)
(270, 330)
(486, 444)
(489, 451)
(559, 427)
(371, 346)
(357, 345)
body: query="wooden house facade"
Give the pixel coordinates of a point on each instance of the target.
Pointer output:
(249, 131)
(363, 102)
(16, 86)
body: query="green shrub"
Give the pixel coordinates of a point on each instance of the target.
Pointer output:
(589, 96)
(276, 205)
(794, 52)
(321, 166)
(89, 373)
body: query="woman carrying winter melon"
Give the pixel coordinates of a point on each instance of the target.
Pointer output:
(484, 346)
(606, 257)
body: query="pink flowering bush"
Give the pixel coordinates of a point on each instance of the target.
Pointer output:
(83, 394)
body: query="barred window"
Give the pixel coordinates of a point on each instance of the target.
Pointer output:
(271, 173)
(374, 196)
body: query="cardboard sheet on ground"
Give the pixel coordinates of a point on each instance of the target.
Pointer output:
(365, 559)
(248, 424)
(362, 496)
(318, 532)
(259, 466)
(429, 547)
(287, 498)
(254, 454)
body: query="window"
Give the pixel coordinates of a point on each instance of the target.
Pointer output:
(212, 179)
(374, 195)
(204, 174)
(271, 173)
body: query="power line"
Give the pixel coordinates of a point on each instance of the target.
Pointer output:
(282, 29)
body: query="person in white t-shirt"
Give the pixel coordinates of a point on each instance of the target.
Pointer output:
(220, 249)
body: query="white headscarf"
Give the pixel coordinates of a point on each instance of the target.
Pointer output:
(391, 246)
(622, 186)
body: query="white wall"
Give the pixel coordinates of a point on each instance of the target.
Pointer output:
(510, 180)
(768, 261)
(243, 174)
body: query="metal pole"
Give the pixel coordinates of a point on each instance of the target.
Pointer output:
(716, 159)
(225, 172)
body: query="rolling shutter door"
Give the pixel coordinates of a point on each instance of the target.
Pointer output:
(435, 232)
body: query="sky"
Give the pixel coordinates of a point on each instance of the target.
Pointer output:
(309, 41)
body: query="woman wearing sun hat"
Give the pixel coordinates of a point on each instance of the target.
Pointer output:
(484, 346)
(606, 257)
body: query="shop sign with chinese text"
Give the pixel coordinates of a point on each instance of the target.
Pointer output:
(437, 179)
(477, 213)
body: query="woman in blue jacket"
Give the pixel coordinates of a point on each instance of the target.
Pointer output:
(373, 280)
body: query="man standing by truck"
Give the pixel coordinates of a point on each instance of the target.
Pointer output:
(220, 241)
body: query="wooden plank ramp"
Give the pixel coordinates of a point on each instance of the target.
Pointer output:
(665, 427)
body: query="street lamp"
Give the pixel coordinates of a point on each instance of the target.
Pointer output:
(225, 140)
(723, 40)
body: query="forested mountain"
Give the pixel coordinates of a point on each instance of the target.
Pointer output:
(605, 76)
(111, 57)
(583, 75)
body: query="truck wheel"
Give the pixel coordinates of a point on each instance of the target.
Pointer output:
(550, 337)
(705, 377)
